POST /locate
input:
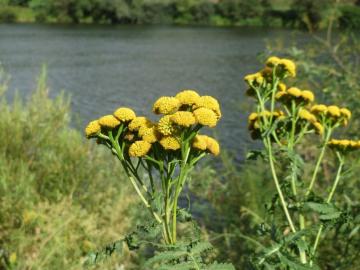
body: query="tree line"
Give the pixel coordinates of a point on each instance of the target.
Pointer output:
(299, 13)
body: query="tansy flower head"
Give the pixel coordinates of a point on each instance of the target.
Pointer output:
(346, 113)
(166, 105)
(139, 122)
(92, 129)
(139, 148)
(166, 126)
(150, 135)
(210, 103)
(206, 117)
(272, 61)
(124, 114)
(319, 109)
(288, 67)
(334, 111)
(294, 91)
(344, 145)
(108, 121)
(170, 143)
(319, 129)
(212, 146)
(188, 97)
(306, 115)
(308, 96)
(183, 118)
(255, 79)
(200, 142)
(281, 87)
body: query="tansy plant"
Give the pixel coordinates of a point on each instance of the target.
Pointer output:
(284, 118)
(158, 156)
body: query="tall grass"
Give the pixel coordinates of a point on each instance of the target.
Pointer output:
(60, 196)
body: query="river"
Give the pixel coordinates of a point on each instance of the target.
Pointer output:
(104, 67)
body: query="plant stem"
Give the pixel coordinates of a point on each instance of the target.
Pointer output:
(278, 188)
(317, 167)
(328, 200)
(180, 181)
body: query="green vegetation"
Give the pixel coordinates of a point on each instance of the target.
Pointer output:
(57, 192)
(293, 13)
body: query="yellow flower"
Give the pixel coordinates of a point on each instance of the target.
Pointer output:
(206, 117)
(319, 108)
(318, 128)
(124, 114)
(150, 135)
(295, 92)
(108, 121)
(306, 115)
(139, 149)
(282, 87)
(170, 143)
(334, 111)
(188, 97)
(139, 122)
(212, 146)
(308, 96)
(93, 128)
(252, 117)
(281, 94)
(254, 79)
(344, 145)
(272, 61)
(288, 66)
(12, 258)
(166, 126)
(166, 105)
(346, 113)
(210, 103)
(200, 142)
(183, 118)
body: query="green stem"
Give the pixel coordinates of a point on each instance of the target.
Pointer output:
(278, 188)
(328, 200)
(180, 182)
(318, 163)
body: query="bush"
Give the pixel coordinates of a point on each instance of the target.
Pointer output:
(7, 15)
(350, 17)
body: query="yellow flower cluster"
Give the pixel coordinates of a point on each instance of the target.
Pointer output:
(256, 119)
(311, 118)
(293, 93)
(334, 113)
(187, 111)
(285, 65)
(344, 145)
(206, 143)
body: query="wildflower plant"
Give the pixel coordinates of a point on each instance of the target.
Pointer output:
(158, 156)
(284, 119)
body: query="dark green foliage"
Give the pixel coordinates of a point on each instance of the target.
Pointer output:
(350, 17)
